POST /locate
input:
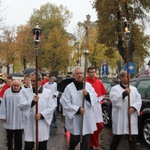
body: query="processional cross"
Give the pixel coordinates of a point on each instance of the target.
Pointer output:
(87, 25)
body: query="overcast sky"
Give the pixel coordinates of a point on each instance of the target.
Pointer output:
(17, 12)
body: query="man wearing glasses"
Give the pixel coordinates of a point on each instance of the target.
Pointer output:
(101, 91)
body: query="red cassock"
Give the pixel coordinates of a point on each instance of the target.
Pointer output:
(44, 81)
(97, 85)
(4, 88)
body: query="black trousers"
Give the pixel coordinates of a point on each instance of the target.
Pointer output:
(17, 134)
(116, 140)
(75, 139)
(30, 145)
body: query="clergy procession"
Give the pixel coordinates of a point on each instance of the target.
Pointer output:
(29, 129)
(74, 75)
(18, 114)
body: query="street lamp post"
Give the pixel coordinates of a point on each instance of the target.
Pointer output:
(127, 37)
(36, 40)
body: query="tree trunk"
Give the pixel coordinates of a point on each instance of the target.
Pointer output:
(8, 68)
(24, 63)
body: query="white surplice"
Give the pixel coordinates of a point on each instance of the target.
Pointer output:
(71, 101)
(53, 88)
(97, 108)
(9, 110)
(45, 107)
(120, 110)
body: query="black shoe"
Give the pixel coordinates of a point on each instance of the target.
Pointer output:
(55, 126)
(91, 148)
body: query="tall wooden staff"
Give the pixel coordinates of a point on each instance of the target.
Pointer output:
(127, 37)
(36, 39)
(87, 24)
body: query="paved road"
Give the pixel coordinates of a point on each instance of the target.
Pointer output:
(59, 140)
(106, 136)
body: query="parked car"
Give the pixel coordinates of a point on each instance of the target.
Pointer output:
(143, 86)
(111, 81)
(145, 73)
(106, 103)
(106, 106)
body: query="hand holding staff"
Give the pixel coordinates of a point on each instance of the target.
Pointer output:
(127, 37)
(36, 40)
(87, 24)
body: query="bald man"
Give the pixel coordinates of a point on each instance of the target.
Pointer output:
(11, 115)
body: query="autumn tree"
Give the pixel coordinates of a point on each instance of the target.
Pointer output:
(110, 24)
(78, 46)
(55, 55)
(24, 46)
(5, 31)
(7, 46)
(98, 53)
(54, 51)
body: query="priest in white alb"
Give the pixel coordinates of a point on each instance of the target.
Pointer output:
(51, 85)
(44, 116)
(71, 101)
(120, 111)
(11, 116)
